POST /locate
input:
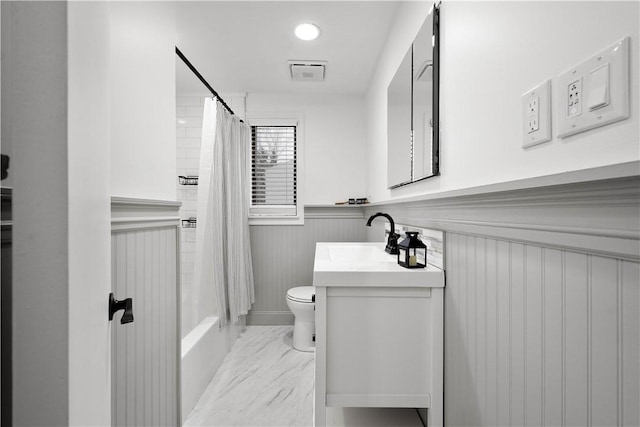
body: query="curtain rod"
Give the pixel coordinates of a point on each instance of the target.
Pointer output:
(204, 82)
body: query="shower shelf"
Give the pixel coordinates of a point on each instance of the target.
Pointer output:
(189, 223)
(188, 180)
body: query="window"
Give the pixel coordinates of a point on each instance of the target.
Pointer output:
(274, 172)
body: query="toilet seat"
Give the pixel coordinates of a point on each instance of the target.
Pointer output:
(302, 294)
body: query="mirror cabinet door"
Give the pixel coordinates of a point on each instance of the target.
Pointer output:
(423, 102)
(399, 124)
(412, 113)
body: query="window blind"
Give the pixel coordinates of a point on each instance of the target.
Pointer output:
(273, 170)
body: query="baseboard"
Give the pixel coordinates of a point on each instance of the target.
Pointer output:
(270, 318)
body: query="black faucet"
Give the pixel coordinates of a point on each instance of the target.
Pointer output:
(392, 241)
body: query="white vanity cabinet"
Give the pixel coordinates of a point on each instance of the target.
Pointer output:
(379, 331)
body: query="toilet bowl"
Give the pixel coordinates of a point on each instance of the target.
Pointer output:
(301, 302)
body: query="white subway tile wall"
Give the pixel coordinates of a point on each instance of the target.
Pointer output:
(189, 111)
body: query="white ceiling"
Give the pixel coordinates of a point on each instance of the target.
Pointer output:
(244, 46)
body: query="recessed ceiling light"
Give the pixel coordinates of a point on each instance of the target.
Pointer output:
(307, 31)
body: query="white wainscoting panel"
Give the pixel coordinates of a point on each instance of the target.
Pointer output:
(542, 300)
(539, 336)
(145, 353)
(283, 257)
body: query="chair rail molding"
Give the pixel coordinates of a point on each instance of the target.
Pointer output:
(599, 217)
(333, 212)
(133, 213)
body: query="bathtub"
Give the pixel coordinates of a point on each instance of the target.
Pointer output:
(203, 350)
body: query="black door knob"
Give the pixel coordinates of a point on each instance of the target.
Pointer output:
(126, 305)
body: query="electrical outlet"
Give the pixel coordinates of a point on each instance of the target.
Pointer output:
(601, 83)
(574, 98)
(536, 115)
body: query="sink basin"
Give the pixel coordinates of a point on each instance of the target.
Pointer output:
(358, 254)
(367, 264)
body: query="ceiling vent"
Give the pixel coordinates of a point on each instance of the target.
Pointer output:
(307, 71)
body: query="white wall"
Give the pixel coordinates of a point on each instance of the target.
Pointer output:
(59, 125)
(8, 184)
(491, 53)
(143, 161)
(5, 147)
(34, 109)
(334, 142)
(89, 214)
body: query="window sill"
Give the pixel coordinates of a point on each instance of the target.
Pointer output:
(276, 220)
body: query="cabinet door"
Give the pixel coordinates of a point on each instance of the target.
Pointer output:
(379, 343)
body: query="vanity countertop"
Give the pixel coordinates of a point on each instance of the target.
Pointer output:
(366, 264)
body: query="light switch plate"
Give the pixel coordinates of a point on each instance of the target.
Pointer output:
(604, 91)
(536, 115)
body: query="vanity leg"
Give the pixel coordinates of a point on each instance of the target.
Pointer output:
(435, 414)
(320, 407)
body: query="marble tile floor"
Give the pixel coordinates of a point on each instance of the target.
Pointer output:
(263, 381)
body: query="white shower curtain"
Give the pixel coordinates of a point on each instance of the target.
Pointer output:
(223, 274)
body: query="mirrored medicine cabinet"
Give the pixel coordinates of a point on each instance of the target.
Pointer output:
(412, 109)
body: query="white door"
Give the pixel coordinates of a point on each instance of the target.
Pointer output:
(55, 121)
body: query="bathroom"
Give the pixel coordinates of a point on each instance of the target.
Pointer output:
(539, 242)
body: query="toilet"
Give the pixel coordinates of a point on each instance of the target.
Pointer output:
(301, 302)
